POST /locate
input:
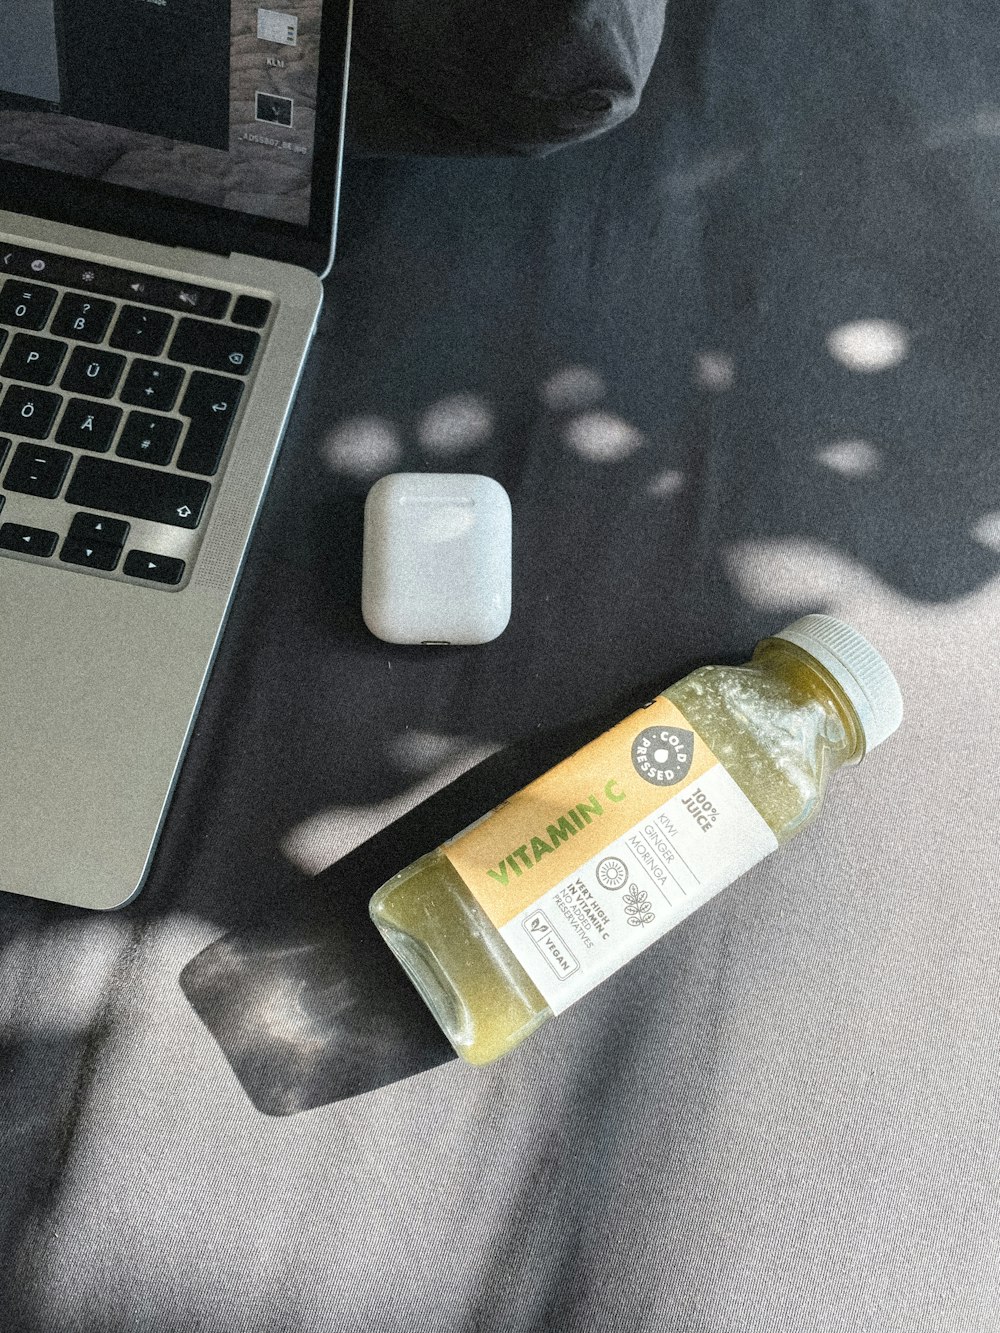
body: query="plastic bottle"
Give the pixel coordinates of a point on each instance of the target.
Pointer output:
(527, 910)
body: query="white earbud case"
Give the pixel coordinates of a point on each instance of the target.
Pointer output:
(437, 558)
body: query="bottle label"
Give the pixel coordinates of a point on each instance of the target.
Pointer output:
(609, 850)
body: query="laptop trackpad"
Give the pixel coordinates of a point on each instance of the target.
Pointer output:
(98, 681)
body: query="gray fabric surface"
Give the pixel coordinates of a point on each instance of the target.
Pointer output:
(666, 345)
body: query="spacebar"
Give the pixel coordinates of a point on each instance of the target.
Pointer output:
(138, 492)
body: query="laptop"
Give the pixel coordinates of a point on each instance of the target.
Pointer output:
(169, 174)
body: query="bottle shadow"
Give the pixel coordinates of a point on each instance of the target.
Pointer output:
(313, 1008)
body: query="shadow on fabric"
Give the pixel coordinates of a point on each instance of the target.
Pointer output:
(313, 1008)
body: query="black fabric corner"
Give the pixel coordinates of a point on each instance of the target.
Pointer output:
(478, 79)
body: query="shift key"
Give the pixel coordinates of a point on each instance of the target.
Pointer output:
(138, 492)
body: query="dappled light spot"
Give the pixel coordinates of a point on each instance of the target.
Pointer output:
(782, 575)
(986, 122)
(320, 840)
(572, 388)
(987, 530)
(85, 953)
(869, 345)
(286, 1017)
(364, 447)
(422, 751)
(851, 458)
(702, 175)
(602, 437)
(715, 371)
(454, 424)
(666, 483)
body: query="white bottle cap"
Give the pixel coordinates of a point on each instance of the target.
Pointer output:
(861, 672)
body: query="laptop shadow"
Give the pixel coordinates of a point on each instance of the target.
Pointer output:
(313, 1008)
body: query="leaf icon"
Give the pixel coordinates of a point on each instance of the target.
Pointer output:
(637, 906)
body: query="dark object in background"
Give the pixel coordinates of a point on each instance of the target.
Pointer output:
(474, 77)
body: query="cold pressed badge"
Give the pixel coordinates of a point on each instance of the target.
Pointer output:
(662, 755)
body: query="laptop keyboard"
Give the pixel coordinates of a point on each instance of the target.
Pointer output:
(119, 391)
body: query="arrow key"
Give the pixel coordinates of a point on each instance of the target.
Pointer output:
(93, 528)
(153, 568)
(28, 541)
(93, 555)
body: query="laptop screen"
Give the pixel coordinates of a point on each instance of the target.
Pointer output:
(209, 101)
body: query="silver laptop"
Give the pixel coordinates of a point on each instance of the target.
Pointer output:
(169, 172)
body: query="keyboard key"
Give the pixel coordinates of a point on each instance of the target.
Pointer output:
(82, 318)
(83, 276)
(26, 305)
(87, 425)
(29, 412)
(29, 541)
(37, 470)
(14, 259)
(93, 372)
(253, 311)
(149, 439)
(170, 295)
(152, 384)
(141, 330)
(35, 360)
(138, 492)
(90, 528)
(94, 555)
(17, 259)
(4, 446)
(214, 346)
(211, 402)
(153, 568)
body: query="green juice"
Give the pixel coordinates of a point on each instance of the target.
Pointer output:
(780, 726)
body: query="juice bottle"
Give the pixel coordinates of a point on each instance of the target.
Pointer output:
(525, 911)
